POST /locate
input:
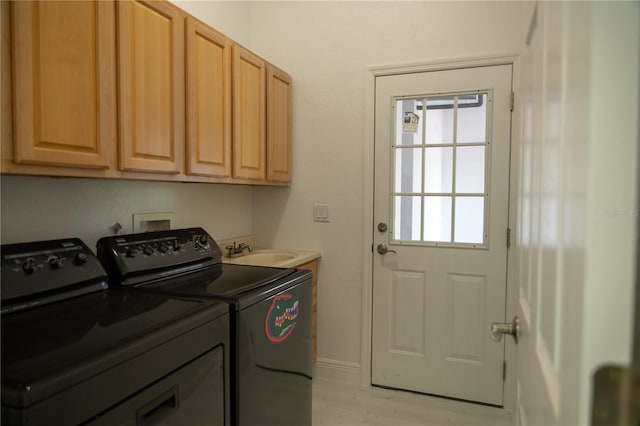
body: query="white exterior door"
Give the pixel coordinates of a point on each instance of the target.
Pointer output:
(442, 149)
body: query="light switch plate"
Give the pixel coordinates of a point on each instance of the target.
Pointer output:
(321, 213)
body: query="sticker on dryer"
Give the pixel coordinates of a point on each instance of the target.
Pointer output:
(281, 318)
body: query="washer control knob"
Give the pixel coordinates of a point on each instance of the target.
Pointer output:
(130, 252)
(202, 241)
(163, 248)
(176, 245)
(55, 262)
(81, 258)
(29, 265)
(148, 250)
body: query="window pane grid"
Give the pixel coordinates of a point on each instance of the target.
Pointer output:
(442, 145)
(440, 194)
(439, 190)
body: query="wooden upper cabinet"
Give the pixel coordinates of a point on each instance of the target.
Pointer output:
(151, 86)
(208, 101)
(106, 88)
(64, 83)
(278, 125)
(249, 134)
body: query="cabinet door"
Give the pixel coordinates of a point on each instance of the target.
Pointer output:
(249, 92)
(208, 101)
(278, 125)
(151, 86)
(64, 83)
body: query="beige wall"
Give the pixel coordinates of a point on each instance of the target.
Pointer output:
(39, 208)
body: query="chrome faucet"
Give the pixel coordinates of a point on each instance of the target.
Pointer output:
(237, 250)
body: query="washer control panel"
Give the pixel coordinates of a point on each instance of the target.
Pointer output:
(39, 272)
(138, 258)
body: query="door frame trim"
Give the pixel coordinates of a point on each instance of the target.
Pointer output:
(370, 74)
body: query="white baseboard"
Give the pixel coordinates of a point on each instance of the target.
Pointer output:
(338, 371)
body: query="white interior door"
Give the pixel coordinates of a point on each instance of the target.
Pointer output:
(574, 249)
(442, 147)
(539, 238)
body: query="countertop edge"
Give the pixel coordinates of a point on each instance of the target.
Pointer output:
(304, 256)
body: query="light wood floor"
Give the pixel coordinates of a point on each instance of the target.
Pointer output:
(348, 405)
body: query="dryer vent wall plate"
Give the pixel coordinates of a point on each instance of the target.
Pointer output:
(149, 222)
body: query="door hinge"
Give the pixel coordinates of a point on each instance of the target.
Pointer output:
(504, 370)
(512, 100)
(616, 396)
(508, 237)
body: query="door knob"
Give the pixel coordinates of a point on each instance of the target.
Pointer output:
(382, 249)
(382, 227)
(500, 328)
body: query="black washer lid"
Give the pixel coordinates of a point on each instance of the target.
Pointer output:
(225, 280)
(49, 348)
(239, 285)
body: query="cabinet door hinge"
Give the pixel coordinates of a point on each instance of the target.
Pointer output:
(512, 100)
(504, 370)
(508, 237)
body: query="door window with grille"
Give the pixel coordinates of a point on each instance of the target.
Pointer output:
(440, 193)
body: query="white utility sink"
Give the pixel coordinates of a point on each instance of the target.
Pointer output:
(273, 257)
